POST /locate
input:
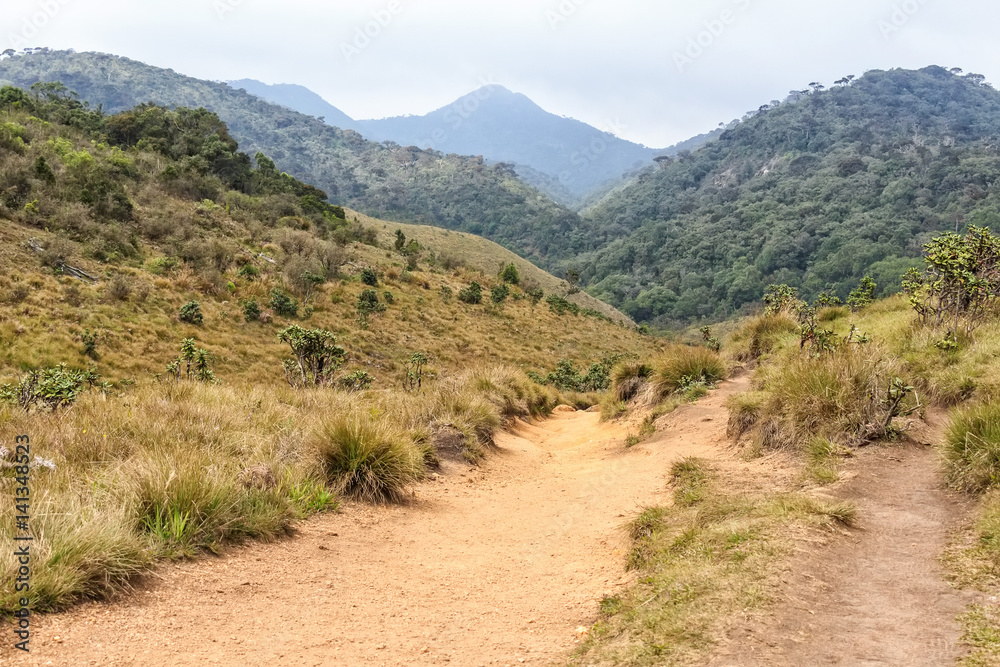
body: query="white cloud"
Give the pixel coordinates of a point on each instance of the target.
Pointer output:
(601, 61)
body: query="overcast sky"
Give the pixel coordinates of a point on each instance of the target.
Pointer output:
(652, 71)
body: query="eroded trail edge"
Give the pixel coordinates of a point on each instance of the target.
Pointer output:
(493, 565)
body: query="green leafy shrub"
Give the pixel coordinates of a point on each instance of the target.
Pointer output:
(369, 277)
(249, 272)
(499, 293)
(780, 299)
(510, 275)
(389, 297)
(357, 381)
(195, 361)
(283, 304)
(89, 340)
(366, 459)
(972, 447)
(368, 305)
(473, 294)
(864, 295)
(191, 313)
(50, 388)
(561, 306)
(251, 310)
(317, 356)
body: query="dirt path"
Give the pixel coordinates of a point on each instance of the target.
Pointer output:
(496, 565)
(875, 595)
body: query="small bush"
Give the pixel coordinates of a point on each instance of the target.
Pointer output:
(972, 448)
(681, 366)
(366, 459)
(251, 310)
(369, 277)
(510, 274)
(191, 313)
(473, 294)
(356, 381)
(317, 356)
(119, 289)
(499, 293)
(50, 388)
(283, 304)
(249, 272)
(864, 295)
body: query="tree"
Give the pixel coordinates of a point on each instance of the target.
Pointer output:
(400, 240)
(510, 275)
(317, 356)
(499, 293)
(415, 372)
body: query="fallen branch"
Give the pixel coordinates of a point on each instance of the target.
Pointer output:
(65, 268)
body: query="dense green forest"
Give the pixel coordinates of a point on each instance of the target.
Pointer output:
(383, 180)
(816, 193)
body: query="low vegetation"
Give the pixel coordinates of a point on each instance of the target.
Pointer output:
(711, 554)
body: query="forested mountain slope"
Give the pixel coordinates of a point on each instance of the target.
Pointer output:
(815, 193)
(384, 180)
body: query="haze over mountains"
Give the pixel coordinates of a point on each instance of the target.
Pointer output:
(816, 191)
(565, 158)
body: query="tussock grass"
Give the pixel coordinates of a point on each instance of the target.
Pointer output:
(628, 378)
(760, 336)
(981, 631)
(840, 397)
(366, 459)
(971, 447)
(710, 555)
(681, 366)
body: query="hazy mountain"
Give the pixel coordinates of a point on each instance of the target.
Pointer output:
(504, 126)
(462, 193)
(815, 193)
(299, 98)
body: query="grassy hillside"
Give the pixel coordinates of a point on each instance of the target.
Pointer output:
(384, 180)
(815, 193)
(158, 290)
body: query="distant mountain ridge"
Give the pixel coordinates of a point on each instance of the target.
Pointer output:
(386, 181)
(565, 158)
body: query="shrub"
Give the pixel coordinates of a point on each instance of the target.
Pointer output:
(446, 294)
(249, 272)
(191, 313)
(283, 304)
(367, 305)
(357, 381)
(49, 388)
(561, 306)
(473, 294)
(251, 310)
(972, 448)
(510, 275)
(780, 299)
(119, 289)
(864, 295)
(366, 459)
(682, 366)
(389, 297)
(369, 277)
(89, 340)
(499, 293)
(317, 356)
(414, 379)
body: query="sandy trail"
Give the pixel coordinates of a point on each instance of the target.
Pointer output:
(874, 595)
(497, 565)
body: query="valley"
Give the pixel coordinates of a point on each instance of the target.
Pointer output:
(308, 393)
